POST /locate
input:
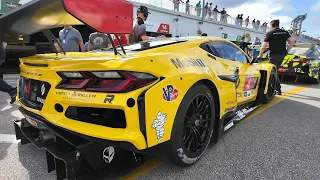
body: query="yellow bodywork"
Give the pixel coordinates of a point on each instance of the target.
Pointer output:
(182, 65)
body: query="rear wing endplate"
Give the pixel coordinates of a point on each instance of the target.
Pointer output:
(106, 16)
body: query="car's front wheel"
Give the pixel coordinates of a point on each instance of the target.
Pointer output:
(317, 80)
(271, 91)
(193, 126)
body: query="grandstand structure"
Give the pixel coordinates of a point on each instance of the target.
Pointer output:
(297, 32)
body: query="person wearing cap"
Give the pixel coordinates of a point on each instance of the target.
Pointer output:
(204, 34)
(139, 32)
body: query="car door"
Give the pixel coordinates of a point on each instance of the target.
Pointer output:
(249, 74)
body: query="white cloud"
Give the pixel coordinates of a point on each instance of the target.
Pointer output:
(316, 7)
(263, 11)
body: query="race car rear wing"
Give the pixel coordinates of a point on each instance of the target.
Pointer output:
(106, 16)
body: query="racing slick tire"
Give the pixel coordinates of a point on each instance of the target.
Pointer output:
(271, 91)
(193, 126)
(316, 80)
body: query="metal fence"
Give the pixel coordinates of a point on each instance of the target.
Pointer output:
(194, 11)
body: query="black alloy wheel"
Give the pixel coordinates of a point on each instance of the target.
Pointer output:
(271, 91)
(197, 124)
(193, 125)
(271, 85)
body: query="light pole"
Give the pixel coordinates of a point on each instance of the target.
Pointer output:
(202, 11)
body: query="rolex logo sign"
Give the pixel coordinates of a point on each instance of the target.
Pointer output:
(224, 35)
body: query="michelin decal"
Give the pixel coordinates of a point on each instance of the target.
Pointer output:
(158, 124)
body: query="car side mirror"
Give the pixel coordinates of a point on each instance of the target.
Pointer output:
(254, 60)
(258, 60)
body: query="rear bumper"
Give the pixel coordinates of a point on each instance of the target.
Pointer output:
(71, 155)
(34, 124)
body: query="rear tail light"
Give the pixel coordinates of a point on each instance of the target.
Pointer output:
(303, 60)
(105, 81)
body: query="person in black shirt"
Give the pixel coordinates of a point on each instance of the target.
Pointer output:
(277, 38)
(4, 86)
(2, 55)
(243, 45)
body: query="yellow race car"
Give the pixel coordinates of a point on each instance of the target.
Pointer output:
(303, 61)
(166, 97)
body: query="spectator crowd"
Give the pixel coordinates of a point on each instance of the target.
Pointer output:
(212, 13)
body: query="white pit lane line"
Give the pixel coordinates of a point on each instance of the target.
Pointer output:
(8, 138)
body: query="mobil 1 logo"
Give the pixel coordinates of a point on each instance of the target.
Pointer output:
(185, 63)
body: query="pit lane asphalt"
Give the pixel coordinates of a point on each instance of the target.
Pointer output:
(281, 142)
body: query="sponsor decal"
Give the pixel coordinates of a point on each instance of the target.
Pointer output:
(231, 102)
(224, 35)
(30, 73)
(185, 158)
(230, 109)
(32, 122)
(158, 124)
(298, 70)
(248, 85)
(164, 28)
(254, 91)
(240, 114)
(108, 154)
(109, 98)
(239, 94)
(40, 100)
(77, 96)
(187, 63)
(282, 70)
(247, 94)
(43, 89)
(170, 93)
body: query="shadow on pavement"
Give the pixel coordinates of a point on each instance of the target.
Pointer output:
(34, 161)
(3, 150)
(281, 142)
(301, 81)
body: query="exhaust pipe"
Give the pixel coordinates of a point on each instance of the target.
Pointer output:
(46, 136)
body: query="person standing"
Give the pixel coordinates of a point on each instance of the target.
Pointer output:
(205, 10)
(254, 23)
(3, 46)
(255, 52)
(188, 7)
(241, 20)
(277, 38)
(198, 8)
(71, 39)
(244, 45)
(247, 22)
(139, 32)
(223, 17)
(176, 4)
(4, 86)
(210, 11)
(98, 40)
(215, 13)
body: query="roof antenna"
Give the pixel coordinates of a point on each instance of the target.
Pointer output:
(113, 46)
(52, 39)
(121, 45)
